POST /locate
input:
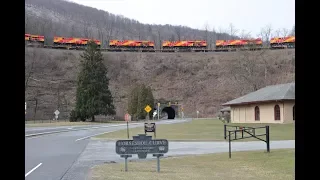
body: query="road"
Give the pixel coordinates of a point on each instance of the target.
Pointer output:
(29, 131)
(48, 157)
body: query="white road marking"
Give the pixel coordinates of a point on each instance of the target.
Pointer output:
(94, 135)
(33, 169)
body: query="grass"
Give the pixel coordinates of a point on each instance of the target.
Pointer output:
(204, 130)
(251, 165)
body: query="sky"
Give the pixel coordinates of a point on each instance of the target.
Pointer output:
(247, 15)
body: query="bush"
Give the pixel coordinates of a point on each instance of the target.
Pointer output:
(73, 116)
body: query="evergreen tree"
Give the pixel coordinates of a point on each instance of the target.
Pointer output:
(150, 100)
(133, 101)
(139, 98)
(93, 96)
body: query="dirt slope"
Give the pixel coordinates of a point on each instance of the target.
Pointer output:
(201, 81)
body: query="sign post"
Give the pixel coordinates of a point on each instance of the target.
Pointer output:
(148, 109)
(127, 118)
(150, 127)
(142, 145)
(158, 111)
(56, 114)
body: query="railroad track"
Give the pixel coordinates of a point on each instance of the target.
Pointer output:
(157, 50)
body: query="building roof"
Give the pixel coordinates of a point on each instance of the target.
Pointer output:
(269, 93)
(225, 109)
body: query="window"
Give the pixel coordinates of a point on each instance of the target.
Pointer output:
(294, 112)
(276, 112)
(257, 113)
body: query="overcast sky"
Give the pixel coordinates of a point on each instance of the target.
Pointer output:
(248, 15)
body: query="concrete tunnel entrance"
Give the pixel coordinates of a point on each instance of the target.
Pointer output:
(170, 112)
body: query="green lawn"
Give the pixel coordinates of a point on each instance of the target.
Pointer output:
(251, 165)
(204, 130)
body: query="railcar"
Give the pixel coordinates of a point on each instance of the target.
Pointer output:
(34, 40)
(72, 43)
(282, 42)
(181, 46)
(132, 45)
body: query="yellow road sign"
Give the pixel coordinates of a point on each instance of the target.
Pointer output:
(147, 108)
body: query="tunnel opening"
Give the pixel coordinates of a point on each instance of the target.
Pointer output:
(170, 112)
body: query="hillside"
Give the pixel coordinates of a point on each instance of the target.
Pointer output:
(201, 81)
(62, 18)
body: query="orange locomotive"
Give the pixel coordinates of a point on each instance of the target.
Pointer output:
(239, 44)
(34, 39)
(131, 45)
(283, 42)
(72, 43)
(191, 45)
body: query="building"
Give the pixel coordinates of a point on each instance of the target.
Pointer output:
(225, 114)
(272, 104)
(225, 110)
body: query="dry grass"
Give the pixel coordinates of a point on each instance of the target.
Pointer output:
(204, 130)
(251, 165)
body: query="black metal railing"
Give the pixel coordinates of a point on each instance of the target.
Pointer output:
(241, 132)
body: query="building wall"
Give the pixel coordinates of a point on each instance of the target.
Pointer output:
(288, 111)
(245, 113)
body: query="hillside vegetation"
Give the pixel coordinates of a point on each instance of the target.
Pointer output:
(201, 81)
(62, 18)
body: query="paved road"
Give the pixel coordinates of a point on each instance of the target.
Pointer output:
(36, 130)
(49, 157)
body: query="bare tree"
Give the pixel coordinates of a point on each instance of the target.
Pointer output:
(159, 38)
(206, 35)
(26, 23)
(142, 35)
(213, 37)
(247, 71)
(233, 30)
(108, 27)
(172, 38)
(29, 67)
(245, 35)
(86, 30)
(35, 99)
(293, 31)
(73, 30)
(277, 33)
(100, 33)
(178, 32)
(222, 34)
(265, 34)
(285, 32)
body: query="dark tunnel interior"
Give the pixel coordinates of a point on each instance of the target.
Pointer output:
(170, 111)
